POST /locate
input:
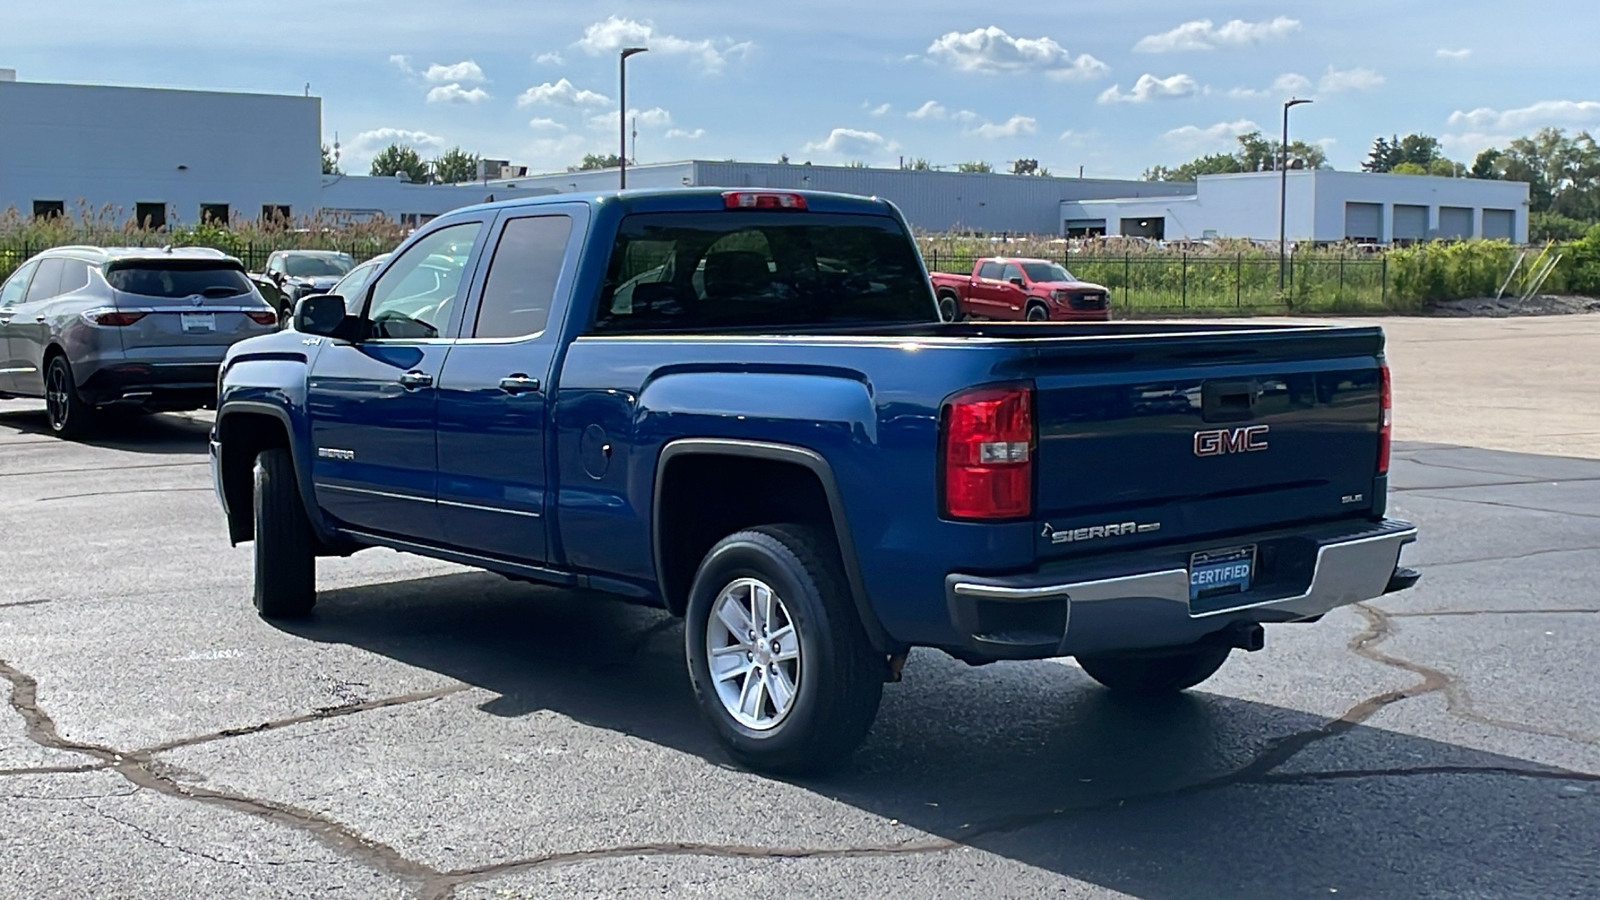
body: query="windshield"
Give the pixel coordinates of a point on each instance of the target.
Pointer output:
(352, 284)
(177, 278)
(1046, 272)
(674, 271)
(317, 266)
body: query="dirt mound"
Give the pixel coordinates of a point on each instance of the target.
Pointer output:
(1542, 305)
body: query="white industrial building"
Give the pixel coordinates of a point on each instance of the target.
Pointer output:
(1322, 206)
(170, 157)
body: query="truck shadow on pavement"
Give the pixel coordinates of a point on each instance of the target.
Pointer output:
(1199, 795)
(133, 432)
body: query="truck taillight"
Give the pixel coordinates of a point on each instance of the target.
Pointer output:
(762, 200)
(987, 453)
(1386, 424)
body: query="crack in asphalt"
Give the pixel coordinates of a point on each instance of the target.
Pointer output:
(1478, 471)
(1468, 487)
(23, 603)
(1490, 612)
(1408, 772)
(1503, 505)
(101, 469)
(54, 770)
(176, 490)
(1511, 558)
(155, 839)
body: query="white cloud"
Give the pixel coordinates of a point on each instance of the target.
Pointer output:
(1012, 127)
(1446, 53)
(455, 93)
(881, 110)
(1203, 34)
(616, 33)
(1149, 87)
(550, 59)
(991, 50)
(402, 62)
(562, 93)
(929, 110)
(1068, 135)
(556, 153)
(648, 118)
(1285, 86)
(852, 142)
(965, 115)
(546, 125)
(1220, 136)
(358, 152)
(686, 135)
(467, 71)
(1545, 113)
(1470, 144)
(1335, 80)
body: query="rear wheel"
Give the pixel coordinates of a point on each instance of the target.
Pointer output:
(949, 308)
(1148, 675)
(780, 664)
(69, 415)
(286, 562)
(1037, 313)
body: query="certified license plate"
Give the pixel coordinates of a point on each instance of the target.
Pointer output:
(1213, 572)
(199, 321)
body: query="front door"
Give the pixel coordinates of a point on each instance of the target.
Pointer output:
(12, 292)
(494, 393)
(373, 403)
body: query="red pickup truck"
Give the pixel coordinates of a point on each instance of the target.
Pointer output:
(1036, 290)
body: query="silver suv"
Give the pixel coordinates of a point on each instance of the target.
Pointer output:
(87, 327)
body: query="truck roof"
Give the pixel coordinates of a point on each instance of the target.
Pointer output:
(694, 199)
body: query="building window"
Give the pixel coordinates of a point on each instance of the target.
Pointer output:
(49, 209)
(214, 214)
(273, 214)
(150, 215)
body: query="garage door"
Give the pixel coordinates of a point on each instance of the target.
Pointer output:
(1499, 224)
(1455, 222)
(1363, 221)
(1410, 223)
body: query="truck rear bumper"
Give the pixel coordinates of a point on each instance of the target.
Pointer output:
(1100, 607)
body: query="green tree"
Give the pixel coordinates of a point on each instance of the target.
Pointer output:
(1408, 168)
(1420, 149)
(1212, 164)
(593, 161)
(919, 165)
(1025, 167)
(398, 158)
(1384, 157)
(1447, 168)
(1255, 154)
(456, 166)
(1486, 164)
(330, 166)
(976, 165)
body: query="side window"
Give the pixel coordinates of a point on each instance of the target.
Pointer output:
(47, 281)
(1011, 271)
(522, 277)
(989, 270)
(74, 276)
(415, 296)
(17, 285)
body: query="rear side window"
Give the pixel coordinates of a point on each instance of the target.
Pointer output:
(173, 279)
(522, 278)
(74, 276)
(761, 270)
(46, 281)
(989, 270)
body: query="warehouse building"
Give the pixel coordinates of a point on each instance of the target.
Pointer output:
(1321, 206)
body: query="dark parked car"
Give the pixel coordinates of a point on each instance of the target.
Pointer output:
(299, 273)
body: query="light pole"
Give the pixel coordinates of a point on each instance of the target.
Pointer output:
(1283, 193)
(622, 110)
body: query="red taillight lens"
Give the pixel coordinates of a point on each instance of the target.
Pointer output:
(1386, 424)
(988, 453)
(762, 200)
(113, 317)
(263, 317)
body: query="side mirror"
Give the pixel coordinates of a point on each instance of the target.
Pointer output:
(1019, 282)
(324, 314)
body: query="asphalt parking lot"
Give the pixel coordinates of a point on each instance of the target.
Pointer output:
(434, 731)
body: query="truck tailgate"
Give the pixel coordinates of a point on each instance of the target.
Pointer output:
(1204, 435)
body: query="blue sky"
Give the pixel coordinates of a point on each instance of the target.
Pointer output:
(1113, 88)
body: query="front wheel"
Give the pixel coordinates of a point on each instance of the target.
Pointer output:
(69, 415)
(286, 556)
(1149, 675)
(1037, 313)
(780, 664)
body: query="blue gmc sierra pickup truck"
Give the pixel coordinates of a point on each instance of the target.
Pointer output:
(742, 406)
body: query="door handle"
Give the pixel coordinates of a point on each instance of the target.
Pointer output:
(413, 380)
(519, 384)
(39, 319)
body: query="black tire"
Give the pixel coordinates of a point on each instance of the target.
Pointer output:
(68, 414)
(286, 561)
(949, 308)
(840, 675)
(1037, 313)
(1152, 675)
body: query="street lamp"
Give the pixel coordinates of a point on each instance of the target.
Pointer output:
(622, 111)
(1283, 193)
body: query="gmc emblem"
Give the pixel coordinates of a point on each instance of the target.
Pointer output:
(1222, 441)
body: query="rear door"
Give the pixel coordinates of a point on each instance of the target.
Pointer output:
(494, 393)
(374, 403)
(12, 293)
(986, 289)
(1190, 437)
